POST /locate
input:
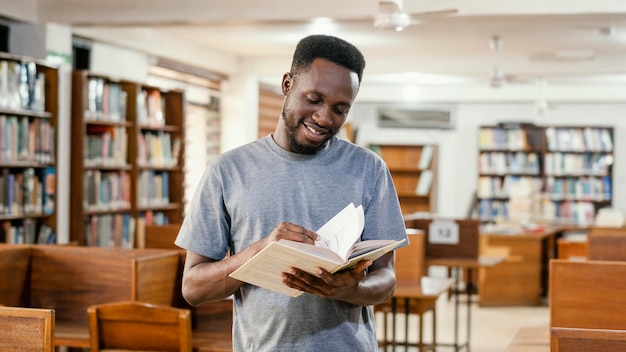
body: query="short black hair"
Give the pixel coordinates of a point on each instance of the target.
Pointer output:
(330, 48)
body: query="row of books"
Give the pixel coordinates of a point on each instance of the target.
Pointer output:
(120, 230)
(150, 108)
(496, 138)
(154, 188)
(106, 190)
(106, 146)
(598, 164)
(579, 188)
(568, 212)
(106, 101)
(492, 210)
(157, 149)
(26, 139)
(501, 163)
(588, 139)
(27, 191)
(22, 87)
(509, 186)
(146, 218)
(26, 232)
(110, 230)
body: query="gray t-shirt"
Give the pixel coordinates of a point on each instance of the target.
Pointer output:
(246, 192)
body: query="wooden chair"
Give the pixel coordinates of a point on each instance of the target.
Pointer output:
(606, 243)
(576, 340)
(26, 329)
(415, 293)
(467, 248)
(139, 326)
(587, 294)
(161, 236)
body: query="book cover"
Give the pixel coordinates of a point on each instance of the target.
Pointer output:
(423, 185)
(336, 251)
(425, 157)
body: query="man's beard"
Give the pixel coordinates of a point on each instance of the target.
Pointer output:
(296, 147)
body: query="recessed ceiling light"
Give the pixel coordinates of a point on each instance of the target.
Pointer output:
(576, 55)
(564, 55)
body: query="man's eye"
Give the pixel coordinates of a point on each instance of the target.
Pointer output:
(312, 100)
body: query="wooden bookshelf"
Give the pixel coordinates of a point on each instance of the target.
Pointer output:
(126, 162)
(28, 119)
(414, 172)
(553, 174)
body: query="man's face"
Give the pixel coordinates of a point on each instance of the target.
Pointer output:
(316, 105)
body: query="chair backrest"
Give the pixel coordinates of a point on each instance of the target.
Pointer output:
(26, 329)
(161, 236)
(410, 259)
(14, 271)
(587, 294)
(576, 340)
(605, 243)
(466, 248)
(139, 326)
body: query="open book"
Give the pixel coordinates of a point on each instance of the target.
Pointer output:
(335, 251)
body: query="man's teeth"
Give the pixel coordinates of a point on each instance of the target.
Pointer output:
(314, 131)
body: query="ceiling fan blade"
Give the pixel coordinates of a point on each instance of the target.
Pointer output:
(421, 17)
(390, 6)
(437, 13)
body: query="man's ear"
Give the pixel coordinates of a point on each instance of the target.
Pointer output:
(287, 83)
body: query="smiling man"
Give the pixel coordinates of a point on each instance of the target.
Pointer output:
(284, 186)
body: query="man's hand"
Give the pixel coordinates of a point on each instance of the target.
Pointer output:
(289, 231)
(340, 286)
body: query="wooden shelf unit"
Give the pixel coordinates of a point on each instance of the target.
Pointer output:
(551, 174)
(144, 178)
(28, 120)
(403, 162)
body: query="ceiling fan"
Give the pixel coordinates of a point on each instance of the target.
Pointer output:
(497, 77)
(391, 15)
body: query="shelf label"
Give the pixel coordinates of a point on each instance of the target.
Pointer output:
(443, 232)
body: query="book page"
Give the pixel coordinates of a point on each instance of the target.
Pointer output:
(342, 231)
(363, 247)
(369, 253)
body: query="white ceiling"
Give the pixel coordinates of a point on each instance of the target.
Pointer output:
(563, 40)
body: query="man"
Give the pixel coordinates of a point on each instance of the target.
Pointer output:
(286, 185)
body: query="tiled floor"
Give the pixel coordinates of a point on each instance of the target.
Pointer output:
(492, 328)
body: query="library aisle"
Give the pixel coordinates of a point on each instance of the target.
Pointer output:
(492, 328)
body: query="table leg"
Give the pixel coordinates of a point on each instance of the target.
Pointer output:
(406, 324)
(393, 324)
(456, 309)
(469, 289)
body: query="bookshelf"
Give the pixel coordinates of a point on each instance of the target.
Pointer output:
(126, 168)
(551, 174)
(414, 172)
(28, 117)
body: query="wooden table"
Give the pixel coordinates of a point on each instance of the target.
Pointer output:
(523, 277)
(468, 265)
